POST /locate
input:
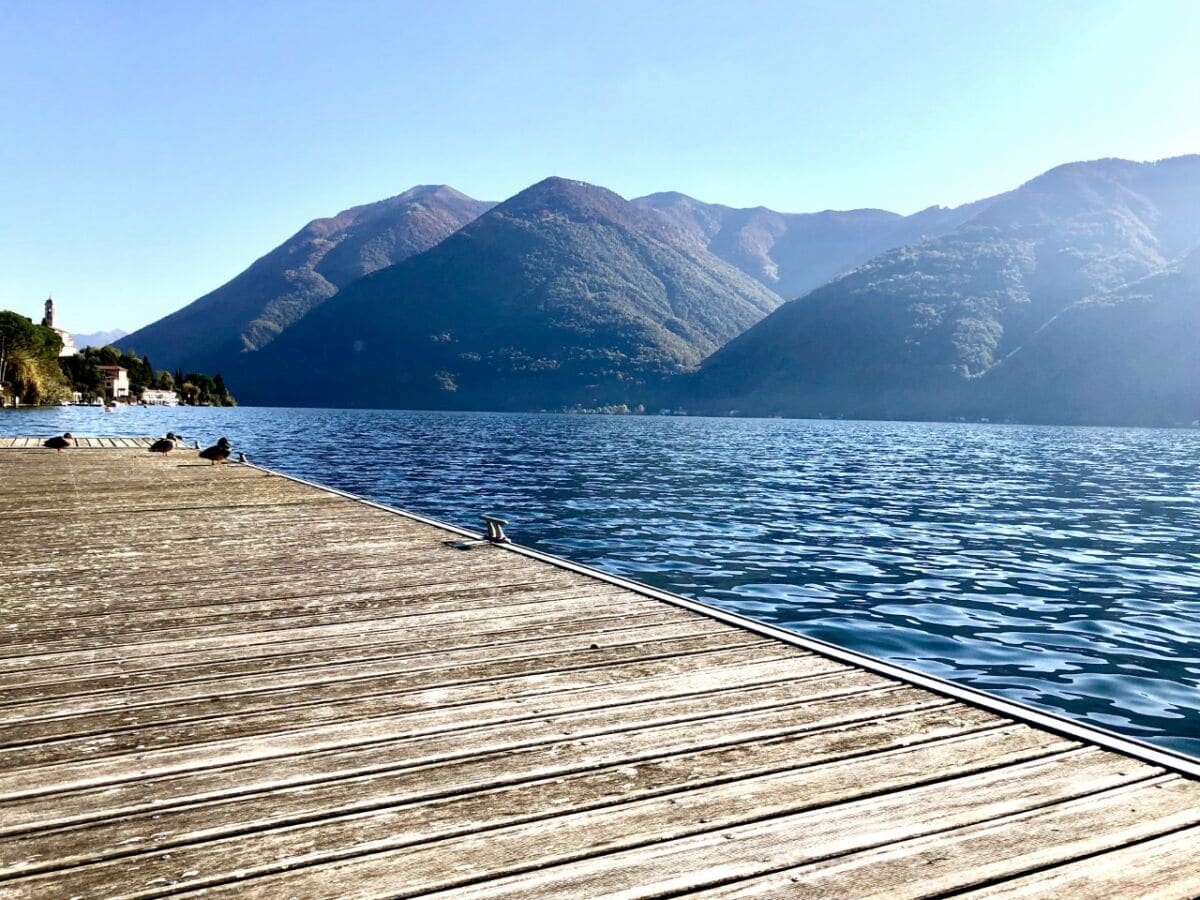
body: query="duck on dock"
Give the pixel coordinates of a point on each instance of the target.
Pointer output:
(59, 442)
(165, 445)
(218, 452)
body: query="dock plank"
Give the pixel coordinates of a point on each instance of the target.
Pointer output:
(761, 739)
(318, 696)
(665, 725)
(28, 771)
(656, 847)
(1163, 868)
(689, 793)
(993, 850)
(354, 695)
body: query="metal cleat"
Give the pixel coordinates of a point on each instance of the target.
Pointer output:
(494, 535)
(495, 530)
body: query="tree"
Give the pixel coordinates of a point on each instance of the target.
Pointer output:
(16, 336)
(29, 359)
(107, 356)
(83, 376)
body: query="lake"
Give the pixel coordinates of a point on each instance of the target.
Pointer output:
(1055, 566)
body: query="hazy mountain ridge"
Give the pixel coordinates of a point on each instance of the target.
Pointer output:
(1129, 356)
(908, 333)
(565, 294)
(284, 285)
(793, 253)
(98, 338)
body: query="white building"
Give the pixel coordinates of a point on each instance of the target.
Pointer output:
(68, 342)
(155, 397)
(116, 382)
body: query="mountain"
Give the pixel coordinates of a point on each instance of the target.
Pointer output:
(910, 333)
(563, 295)
(98, 338)
(1129, 356)
(281, 288)
(792, 253)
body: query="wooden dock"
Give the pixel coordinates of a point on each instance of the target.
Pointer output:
(221, 680)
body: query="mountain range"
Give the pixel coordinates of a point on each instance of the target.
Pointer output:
(282, 287)
(1128, 355)
(1023, 305)
(98, 338)
(564, 295)
(940, 329)
(792, 253)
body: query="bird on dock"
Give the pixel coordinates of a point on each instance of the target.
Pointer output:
(165, 445)
(59, 443)
(218, 452)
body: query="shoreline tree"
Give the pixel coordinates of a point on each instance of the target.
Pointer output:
(29, 370)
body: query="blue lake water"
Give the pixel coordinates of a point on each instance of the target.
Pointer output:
(1055, 566)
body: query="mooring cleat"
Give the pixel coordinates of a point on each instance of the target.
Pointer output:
(495, 535)
(495, 530)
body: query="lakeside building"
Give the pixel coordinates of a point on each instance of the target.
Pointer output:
(156, 397)
(68, 342)
(116, 382)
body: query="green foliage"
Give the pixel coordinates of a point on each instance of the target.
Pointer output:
(199, 389)
(29, 361)
(106, 356)
(196, 389)
(86, 378)
(83, 376)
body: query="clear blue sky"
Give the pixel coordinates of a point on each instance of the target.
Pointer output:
(151, 150)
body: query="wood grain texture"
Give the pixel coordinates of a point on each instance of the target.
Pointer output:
(218, 680)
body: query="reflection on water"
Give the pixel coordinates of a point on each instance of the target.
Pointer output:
(1057, 566)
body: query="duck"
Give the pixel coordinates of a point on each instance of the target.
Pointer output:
(59, 443)
(218, 452)
(165, 445)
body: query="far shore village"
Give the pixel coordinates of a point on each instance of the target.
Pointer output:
(116, 378)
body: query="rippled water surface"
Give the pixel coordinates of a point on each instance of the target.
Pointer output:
(1056, 566)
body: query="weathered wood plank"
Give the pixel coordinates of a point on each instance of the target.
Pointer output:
(968, 856)
(693, 787)
(1162, 868)
(317, 696)
(443, 651)
(527, 613)
(23, 771)
(311, 610)
(310, 722)
(255, 642)
(668, 724)
(654, 847)
(113, 713)
(490, 589)
(173, 663)
(566, 762)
